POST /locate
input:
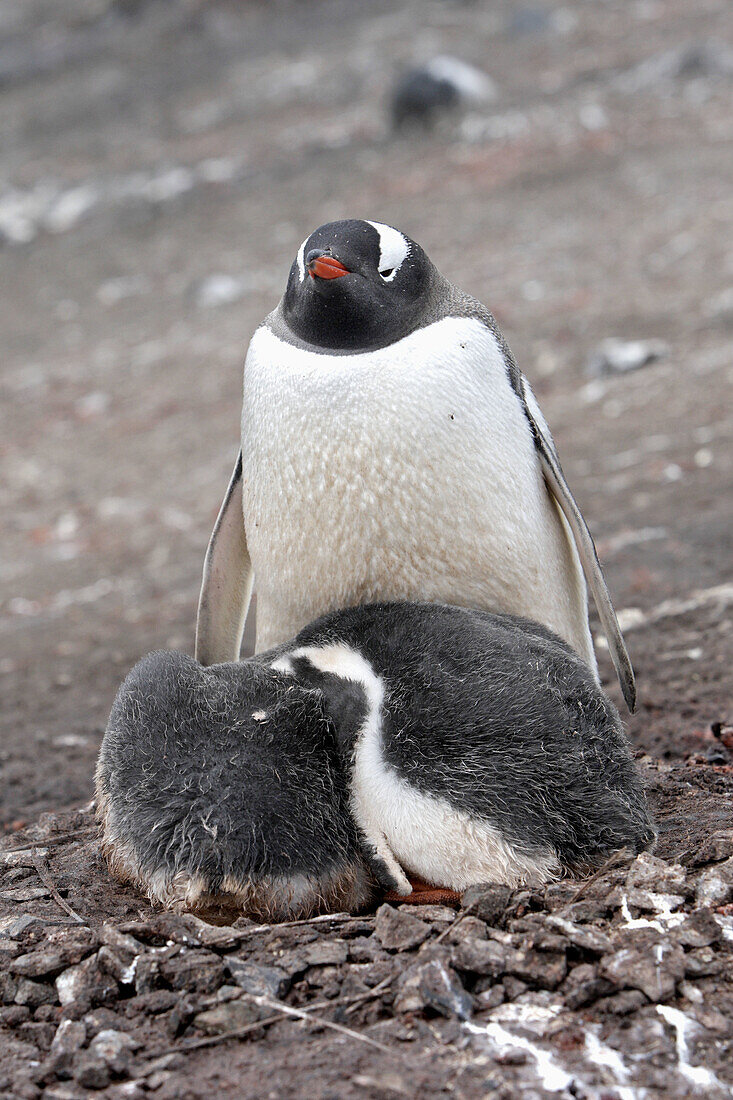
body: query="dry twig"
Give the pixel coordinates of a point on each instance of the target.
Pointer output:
(615, 859)
(239, 1032)
(323, 918)
(48, 842)
(320, 1021)
(454, 924)
(45, 876)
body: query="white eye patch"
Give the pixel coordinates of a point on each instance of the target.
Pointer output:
(300, 259)
(394, 249)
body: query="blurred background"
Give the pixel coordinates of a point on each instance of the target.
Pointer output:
(568, 163)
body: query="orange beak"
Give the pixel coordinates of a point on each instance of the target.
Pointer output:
(326, 267)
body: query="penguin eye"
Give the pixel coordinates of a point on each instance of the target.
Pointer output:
(387, 273)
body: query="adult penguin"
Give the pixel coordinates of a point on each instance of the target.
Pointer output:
(392, 450)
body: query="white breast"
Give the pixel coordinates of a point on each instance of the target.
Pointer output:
(421, 834)
(403, 473)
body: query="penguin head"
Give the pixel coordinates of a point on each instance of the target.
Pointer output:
(357, 285)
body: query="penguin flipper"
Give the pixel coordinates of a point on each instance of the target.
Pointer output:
(558, 486)
(226, 587)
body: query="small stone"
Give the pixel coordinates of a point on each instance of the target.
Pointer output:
(488, 900)
(702, 962)
(647, 901)
(326, 952)
(699, 929)
(586, 910)
(713, 1020)
(490, 998)
(559, 894)
(433, 985)
(468, 928)
(292, 961)
(366, 949)
(121, 941)
(622, 1004)
(513, 988)
(265, 981)
(86, 982)
(181, 1015)
(34, 993)
(115, 1049)
(117, 964)
(228, 993)
(158, 1000)
(23, 857)
(39, 1034)
(69, 1038)
(585, 937)
(198, 972)
(12, 927)
(91, 1072)
(8, 988)
(545, 969)
(38, 964)
(483, 957)
(399, 931)
(715, 886)
(227, 1017)
(649, 872)
(190, 931)
(156, 1080)
(353, 984)
(327, 979)
(655, 971)
(513, 1056)
(101, 1019)
(23, 1089)
(126, 1090)
(584, 986)
(24, 893)
(64, 1092)
(147, 976)
(14, 1015)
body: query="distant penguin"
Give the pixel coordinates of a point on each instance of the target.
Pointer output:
(386, 745)
(423, 93)
(391, 449)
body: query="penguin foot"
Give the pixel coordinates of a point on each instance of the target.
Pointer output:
(424, 893)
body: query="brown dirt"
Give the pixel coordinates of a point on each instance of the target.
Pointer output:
(592, 199)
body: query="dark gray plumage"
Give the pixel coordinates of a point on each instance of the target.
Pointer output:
(242, 785)
(220, 787)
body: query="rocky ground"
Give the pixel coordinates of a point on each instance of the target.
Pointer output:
(618, 986)
(159, 166)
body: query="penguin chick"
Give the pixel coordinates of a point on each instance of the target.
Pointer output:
(219, 789)
(392, 450)
(481, 748)
(385, 743)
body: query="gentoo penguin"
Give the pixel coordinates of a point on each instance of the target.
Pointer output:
(423, 93)
(384, 745)
(219, 789)
(392, 450)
